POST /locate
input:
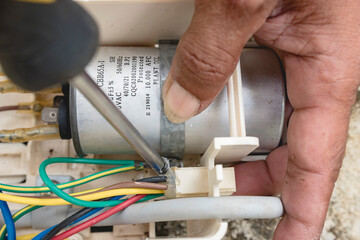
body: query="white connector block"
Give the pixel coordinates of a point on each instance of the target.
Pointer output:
(194, 181)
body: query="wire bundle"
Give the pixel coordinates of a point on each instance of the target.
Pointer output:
(93, 200)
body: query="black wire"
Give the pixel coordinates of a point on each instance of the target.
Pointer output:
(64, 224)
(157, 179)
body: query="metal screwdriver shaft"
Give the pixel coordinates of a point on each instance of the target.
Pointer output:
(120, 123)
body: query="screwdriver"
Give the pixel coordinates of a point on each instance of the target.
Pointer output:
(49, 42)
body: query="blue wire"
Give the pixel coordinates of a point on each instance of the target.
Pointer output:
(9, 221)
(95, 210)
(89, 214)
(43, 233)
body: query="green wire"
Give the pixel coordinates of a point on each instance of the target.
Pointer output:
(146, 198)
(83, 180)
(2, 237)
(67, 197)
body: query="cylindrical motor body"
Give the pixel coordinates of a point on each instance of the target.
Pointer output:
(131, 78)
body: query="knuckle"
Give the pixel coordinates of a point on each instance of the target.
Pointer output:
(253, 8)
(205, 67)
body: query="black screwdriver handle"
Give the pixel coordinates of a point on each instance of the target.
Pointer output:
(45, 42)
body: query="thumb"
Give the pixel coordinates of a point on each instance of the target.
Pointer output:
(208, 53)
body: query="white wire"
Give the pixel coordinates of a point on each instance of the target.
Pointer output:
(200, 208)
(233, 207)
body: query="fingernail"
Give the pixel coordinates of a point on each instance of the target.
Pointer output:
(179, 104)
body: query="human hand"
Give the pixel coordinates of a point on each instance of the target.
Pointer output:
(319, 43)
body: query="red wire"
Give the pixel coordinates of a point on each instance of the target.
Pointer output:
(99, 217)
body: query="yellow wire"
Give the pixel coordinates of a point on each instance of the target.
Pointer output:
(90, 197)
(100, 175)
(22, 210)
(30, 206)
(80, 181)
(28, 236)
(73, 194)
(85, 192)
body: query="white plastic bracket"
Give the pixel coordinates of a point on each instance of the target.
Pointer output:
(233, 148)
(236, 104)
(215, 176)
(238, 145)
(228, 149)
(221, 150)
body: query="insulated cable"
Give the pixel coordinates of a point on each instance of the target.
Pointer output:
(200, 208)
(127, 166)
(143, 183)
(156, 179)
(68, 221)
(99, 218)
(29, 107)
(43, 132)
(122, 185)
(9, 108)
(56, 229)
(41, 235)
(30, 208)
(88, 198)
(19, 214)
(67, 197)
(26, 237)
(8, 220)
